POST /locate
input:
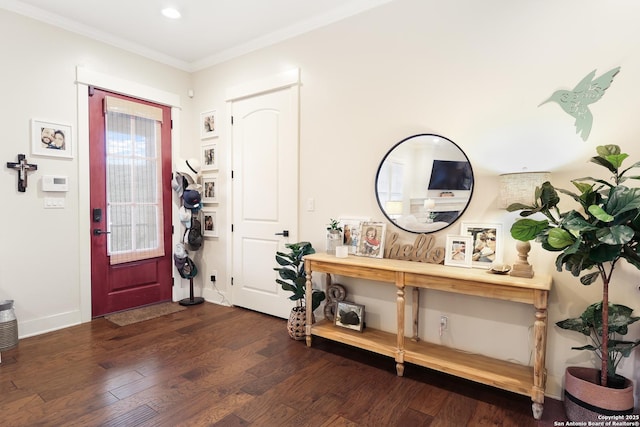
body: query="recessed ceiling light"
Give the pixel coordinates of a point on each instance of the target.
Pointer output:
(170, 12)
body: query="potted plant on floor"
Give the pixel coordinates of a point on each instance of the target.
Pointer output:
(293, 278)
(592, 240)
(582, 384)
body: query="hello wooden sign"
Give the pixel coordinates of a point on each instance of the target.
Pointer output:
(423, 249)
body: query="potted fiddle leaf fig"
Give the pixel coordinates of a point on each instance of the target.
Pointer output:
(590, 324)
(590, 241)
(293, 278)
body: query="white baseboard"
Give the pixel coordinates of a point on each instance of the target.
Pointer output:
(216, 297)
(29, 328)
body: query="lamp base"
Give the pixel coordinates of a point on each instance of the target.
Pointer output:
(522, 268)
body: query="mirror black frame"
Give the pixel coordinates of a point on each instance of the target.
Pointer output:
(460, 211)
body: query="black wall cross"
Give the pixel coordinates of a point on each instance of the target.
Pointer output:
(22, 167)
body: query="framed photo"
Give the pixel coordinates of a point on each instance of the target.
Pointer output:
(351, 232)
(349, 315)
(487, 243)
(51, 139)
(208, 124)
(210, 189)
(371, 239)
(459, 251)
(209, 156)
(210, 225)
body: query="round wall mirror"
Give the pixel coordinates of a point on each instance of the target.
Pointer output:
(424, 183)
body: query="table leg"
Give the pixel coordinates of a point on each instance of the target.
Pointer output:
(308, 292)
(400, 307)
(540, 339)
(416, 309)
(400, 363)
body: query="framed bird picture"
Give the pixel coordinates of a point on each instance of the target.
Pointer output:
(349, 315)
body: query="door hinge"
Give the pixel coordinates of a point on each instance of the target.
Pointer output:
(232, 281)
(92, 90)
(232, 228)
(171, 124)
(231, 174)
(172, 231)
(231, 120)
(173, 282)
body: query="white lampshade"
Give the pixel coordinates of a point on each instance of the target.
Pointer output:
(520, 187)
(393, 207)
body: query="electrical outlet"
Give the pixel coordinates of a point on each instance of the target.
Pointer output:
(444, 324)
(213, 276)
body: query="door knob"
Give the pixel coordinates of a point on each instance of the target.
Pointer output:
(284, 233)
(97, 232)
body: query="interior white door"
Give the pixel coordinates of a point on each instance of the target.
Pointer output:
(265, 196)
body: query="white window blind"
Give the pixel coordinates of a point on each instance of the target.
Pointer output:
(133, 181)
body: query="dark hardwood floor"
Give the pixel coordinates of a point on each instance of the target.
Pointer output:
(218, 366)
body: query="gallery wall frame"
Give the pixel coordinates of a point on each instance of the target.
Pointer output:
(209, 124)
(210, 222)
(50, 139)
(210, 189)
(209, 156)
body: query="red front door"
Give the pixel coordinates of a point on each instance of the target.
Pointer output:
(130, 176)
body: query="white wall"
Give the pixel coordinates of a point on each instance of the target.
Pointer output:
(41, 249)
(472, 71)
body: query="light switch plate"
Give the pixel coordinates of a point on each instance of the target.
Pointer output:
(54, 203)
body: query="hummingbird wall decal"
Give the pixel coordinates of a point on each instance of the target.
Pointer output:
(576, 102)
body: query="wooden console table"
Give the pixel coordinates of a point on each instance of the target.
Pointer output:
(525, 380)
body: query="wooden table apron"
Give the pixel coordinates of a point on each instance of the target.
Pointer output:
(520, 379)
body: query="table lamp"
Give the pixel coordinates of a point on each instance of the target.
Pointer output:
(520, 188)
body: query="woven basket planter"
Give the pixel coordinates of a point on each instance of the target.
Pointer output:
(586, 400)
(297, 322)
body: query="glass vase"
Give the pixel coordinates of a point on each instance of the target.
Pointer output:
(334, 239)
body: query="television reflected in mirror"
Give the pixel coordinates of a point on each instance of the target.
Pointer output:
(450, 175)
(424, 183)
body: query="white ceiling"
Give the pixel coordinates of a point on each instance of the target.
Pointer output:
(209, 32)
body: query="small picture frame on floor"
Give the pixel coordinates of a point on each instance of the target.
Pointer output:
(349, 315)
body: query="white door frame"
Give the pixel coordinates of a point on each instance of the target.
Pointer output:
(286, 79)
(84, 79)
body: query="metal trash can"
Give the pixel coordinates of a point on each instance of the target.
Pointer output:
(8, 325)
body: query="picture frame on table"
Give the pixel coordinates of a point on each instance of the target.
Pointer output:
(209, 157)
(50, 139)
(351, 231)
(349, 315)
(371, 239)
(458, 251)
(210, 189)
(487, 243)
(208, 124)
(210, 223)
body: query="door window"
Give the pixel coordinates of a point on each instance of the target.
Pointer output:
(133, 184)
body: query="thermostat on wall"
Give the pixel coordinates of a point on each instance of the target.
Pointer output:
(55, 183)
